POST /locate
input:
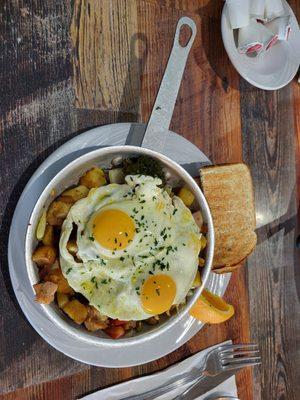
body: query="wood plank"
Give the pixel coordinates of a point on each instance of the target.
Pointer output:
(103, 33)
(211, 8)
(269, 148)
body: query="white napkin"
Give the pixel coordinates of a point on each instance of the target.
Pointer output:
(141, 385)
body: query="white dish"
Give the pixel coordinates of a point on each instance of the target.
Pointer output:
(177, 148)
(271, 70)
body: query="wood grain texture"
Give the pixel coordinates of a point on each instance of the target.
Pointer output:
(107, 32)
(269, 148)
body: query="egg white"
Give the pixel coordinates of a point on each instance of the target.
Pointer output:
(167, 241)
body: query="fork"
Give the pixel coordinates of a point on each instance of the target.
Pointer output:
(226, 358)
(219, 360)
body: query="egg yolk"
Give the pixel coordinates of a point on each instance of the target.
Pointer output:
(158, 293)
(113, 229)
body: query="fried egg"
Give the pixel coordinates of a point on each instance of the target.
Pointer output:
(137, 249)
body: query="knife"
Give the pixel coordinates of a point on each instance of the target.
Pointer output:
(204, 384)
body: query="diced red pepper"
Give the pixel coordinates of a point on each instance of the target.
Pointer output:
(115, 332)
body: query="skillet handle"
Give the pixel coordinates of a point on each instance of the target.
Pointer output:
(161, 115)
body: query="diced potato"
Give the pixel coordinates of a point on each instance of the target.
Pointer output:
(66, 199)
(95, 177)
(203, 242)
(63, 286)
(57, 277)
(53, 276)
(41, 227)
(197, 280)
(116, 175)
(48, 270)
(45, 292)
(198, 218)
(93, 325)
(201, 262)
(76, 193)
(95, 320)
(62, 299)
(95, 314)
(57, 212)
(76, 311)
(186, 196)
(72, 247)
(49, 236)
(44, 255)
(115, 332)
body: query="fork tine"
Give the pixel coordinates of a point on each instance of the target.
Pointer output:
(239, 366)
(240, 361)
(228, 353)
(229, 347)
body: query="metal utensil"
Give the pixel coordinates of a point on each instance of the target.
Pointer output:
(223, 359)
(216, 369)
(211, 397)
(160, 118)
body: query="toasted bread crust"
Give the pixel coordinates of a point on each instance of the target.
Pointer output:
(229, 192)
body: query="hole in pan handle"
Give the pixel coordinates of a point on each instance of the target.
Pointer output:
(161, 115)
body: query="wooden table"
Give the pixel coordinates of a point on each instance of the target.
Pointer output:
(68, 67)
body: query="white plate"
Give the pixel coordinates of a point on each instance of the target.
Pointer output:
(271, 70)
(176, 148)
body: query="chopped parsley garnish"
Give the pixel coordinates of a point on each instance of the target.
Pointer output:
(158, 292)
(174, 211)
(169, 248)
(92, 238)
(94, 282)
(68, 270)
(122, 258)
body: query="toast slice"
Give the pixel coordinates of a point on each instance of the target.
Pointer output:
(228, 190)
